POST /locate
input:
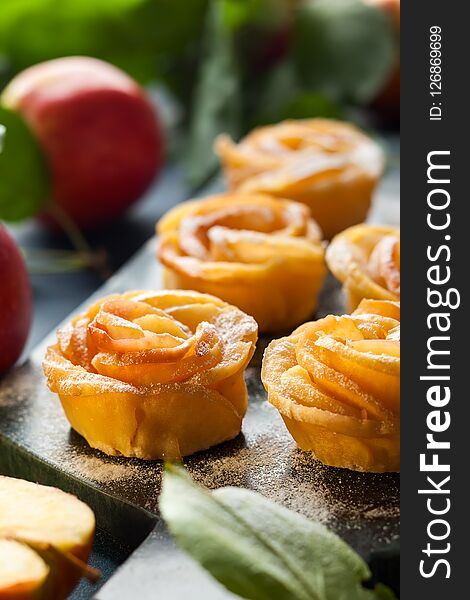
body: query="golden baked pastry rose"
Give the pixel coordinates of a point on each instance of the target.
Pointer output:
(154, 374)
(259, 253)
(329, 165)
(336, 384)
(366, 259)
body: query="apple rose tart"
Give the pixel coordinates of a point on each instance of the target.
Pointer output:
(366, 259)
(331, 166)
(259, 253)
(153, 374)
(336, 384)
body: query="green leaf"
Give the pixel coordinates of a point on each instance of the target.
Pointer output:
(277, 91)
(24, 180)
(133, 34)
(237, 13)
(217, 101)
(344, 49)
(382, 592)
(264, 13)
(257, 549)
(281, 98)
(309, 105)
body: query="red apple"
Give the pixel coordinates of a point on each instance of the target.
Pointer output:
(15, 301)
(100, 134)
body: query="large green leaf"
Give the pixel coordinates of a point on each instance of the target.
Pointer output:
(343, 48)
(130, 33)
(259, 550)
(24, 180)
(217, 102)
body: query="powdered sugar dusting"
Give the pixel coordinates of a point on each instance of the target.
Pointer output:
(362, 507)
(266, 459)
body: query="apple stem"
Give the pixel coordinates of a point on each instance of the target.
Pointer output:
(47, 261)
(95, 259)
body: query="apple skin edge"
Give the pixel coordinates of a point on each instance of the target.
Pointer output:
(100, 135)
(15, 301)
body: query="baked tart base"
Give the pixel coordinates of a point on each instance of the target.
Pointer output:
(154, 374)
(336, 384)
(331, 166)
(259, 253)
(366, 259)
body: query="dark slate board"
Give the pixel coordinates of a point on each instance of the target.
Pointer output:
(37, 443)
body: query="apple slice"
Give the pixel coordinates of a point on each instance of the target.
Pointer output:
(51, 534)
(22, 572)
